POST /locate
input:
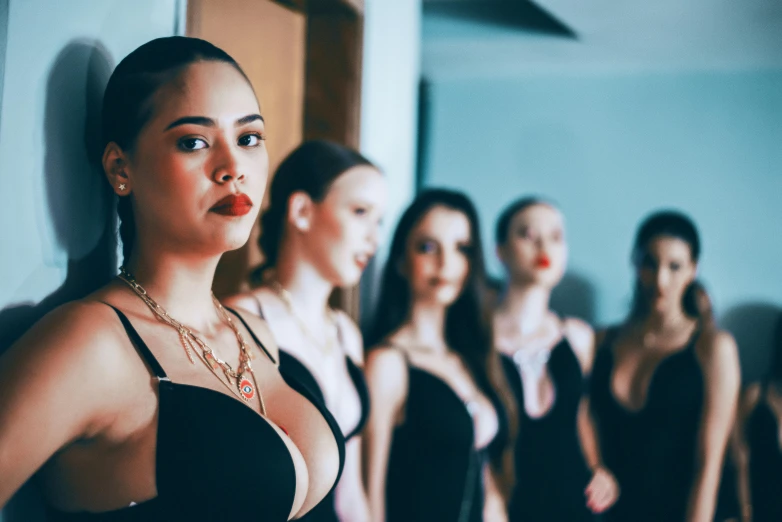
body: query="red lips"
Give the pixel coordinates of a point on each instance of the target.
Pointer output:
(233, 205)
(543, 262)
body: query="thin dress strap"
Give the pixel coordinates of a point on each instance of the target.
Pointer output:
(255, 337)
(260, 306)
(140, 345)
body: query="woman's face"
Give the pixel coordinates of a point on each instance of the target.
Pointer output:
(345, 225)
(438, 256)
(198, 170)
(535, 251)
(665, 272)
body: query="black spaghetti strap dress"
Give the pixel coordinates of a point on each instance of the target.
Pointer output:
(434, 470)
(765, 464)
(295, 372)
(652, 451)
(198, 485)
(551, 473)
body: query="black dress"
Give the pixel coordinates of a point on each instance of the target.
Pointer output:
(652, 451)
(434, 470)
(765, 465)
(325, 511)
(198, 485)
(297, 374)
(551, 474)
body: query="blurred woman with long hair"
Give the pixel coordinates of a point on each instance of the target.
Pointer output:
(665, 384)
(440, 435)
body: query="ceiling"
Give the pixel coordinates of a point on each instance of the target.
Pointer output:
(593, 35)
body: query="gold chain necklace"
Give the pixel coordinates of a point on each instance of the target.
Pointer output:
(326, 347)
(242, 386)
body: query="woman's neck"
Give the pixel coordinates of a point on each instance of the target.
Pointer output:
(182, 286)
(526, 306)
(426, 326)
(308, 290)
(664, 322)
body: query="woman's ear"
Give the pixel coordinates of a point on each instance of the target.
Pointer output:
(116, 166)
(300, 211)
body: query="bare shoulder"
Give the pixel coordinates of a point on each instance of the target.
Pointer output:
(750, 397)
(579, 333)
(83, 330)
(352, 341)
(719, 358)
(246, 301)
(78, 339)
(386, 367)
(261, 329)
(717, 347)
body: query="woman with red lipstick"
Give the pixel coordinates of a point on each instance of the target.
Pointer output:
(547, 360)
(148, 400)
(442, 422)
(318, 233)
(665, 384)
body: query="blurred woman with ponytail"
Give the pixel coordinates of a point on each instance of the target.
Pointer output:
(665, 384)
(318, 233)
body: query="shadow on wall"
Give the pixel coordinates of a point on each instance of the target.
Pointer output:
(575, 296)
(81, 204)
(753, 325)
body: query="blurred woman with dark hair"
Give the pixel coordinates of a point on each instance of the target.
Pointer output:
(758, 443)
(548, 359)
(665, 384)
(442, 424)
(318, 233)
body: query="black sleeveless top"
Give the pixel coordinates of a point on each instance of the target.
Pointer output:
(551, 473)
(652, 451)
(297, 374)
(202, 471)
(435, 473)
(765, 465)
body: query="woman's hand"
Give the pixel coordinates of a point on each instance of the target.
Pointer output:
(602, 491)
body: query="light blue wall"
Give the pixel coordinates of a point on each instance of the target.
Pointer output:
(609, 147)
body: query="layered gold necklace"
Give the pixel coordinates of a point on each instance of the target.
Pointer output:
(242, 381)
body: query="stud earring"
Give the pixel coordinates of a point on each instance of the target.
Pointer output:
(122, 186)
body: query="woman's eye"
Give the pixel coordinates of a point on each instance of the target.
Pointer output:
(190, 144)
(360, 211)
(675, 267)
(251, 140)
(525, 233)
(426, 247)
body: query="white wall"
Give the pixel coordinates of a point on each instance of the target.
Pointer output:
(389, 110)
(54, 212)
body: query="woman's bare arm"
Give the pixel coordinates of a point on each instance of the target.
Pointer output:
(602, 490)
(740, 449)
(720, 362)
(59, 383)
(387, 379)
